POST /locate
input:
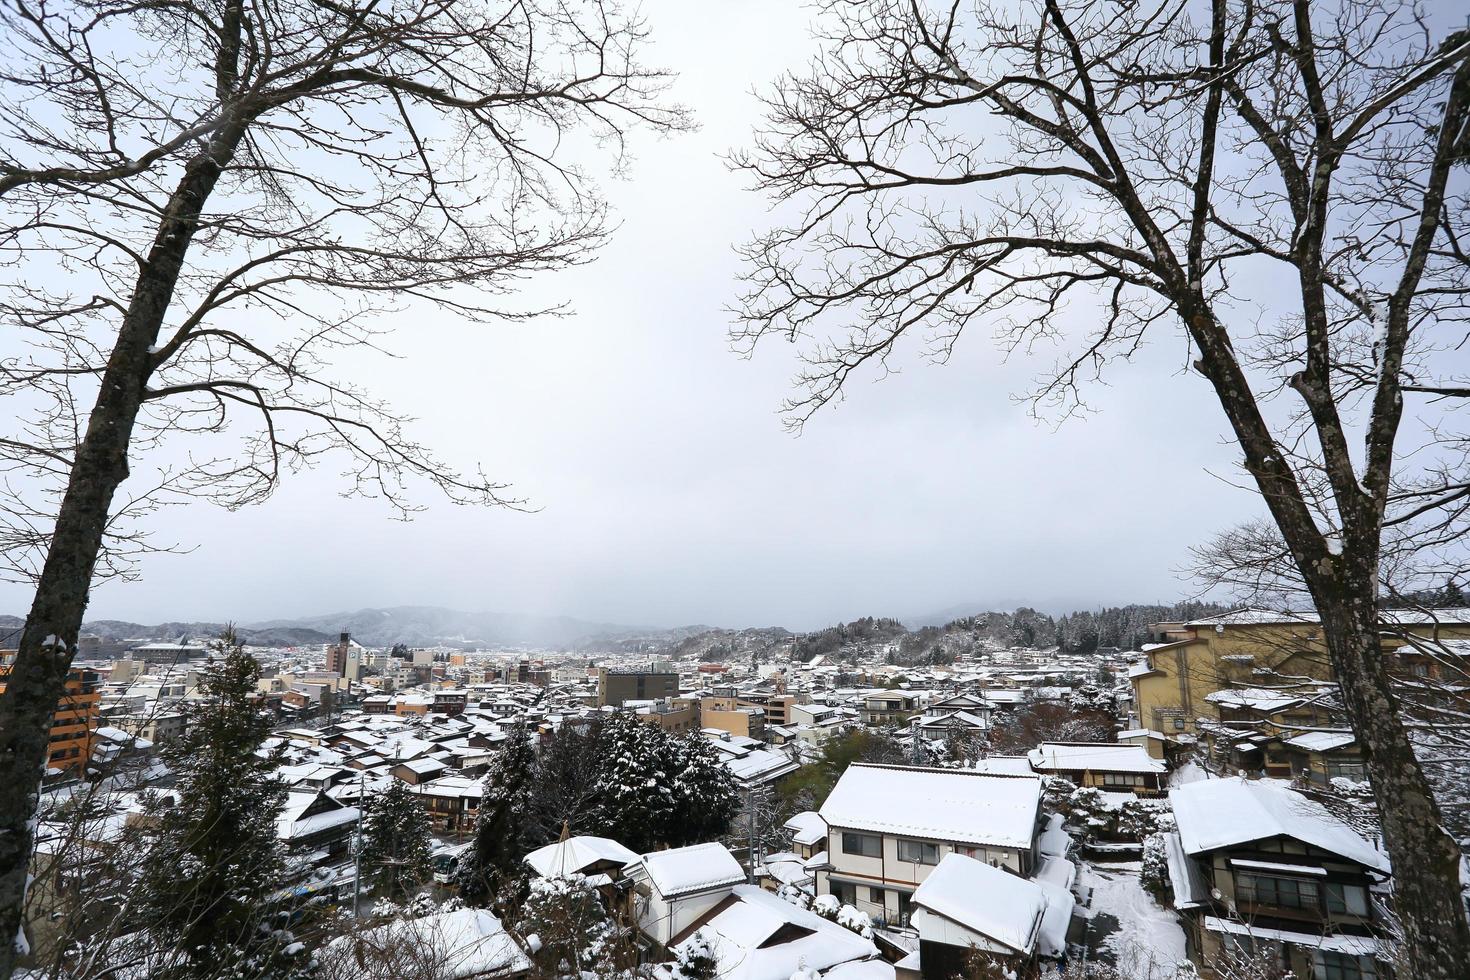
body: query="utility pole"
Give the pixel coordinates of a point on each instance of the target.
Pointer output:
(750, 830)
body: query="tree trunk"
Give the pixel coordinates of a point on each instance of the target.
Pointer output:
(1426, 859)
(37, 680)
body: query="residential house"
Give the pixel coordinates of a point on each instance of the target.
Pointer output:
(1256, 866)
(889, 708)
(313, 827)
(967, 906)
(453, 803)
(1108, 766)
(754, 935)
(890, 826)
(674, 889)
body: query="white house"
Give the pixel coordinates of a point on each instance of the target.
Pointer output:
(673, 889)
(890, 826)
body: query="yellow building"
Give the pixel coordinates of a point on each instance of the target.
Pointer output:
(74, 724)
(1243, 650)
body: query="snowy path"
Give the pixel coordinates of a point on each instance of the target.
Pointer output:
(1145, 940)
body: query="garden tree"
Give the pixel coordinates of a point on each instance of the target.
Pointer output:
(809, 786)
(1034, 722)
(1280, 181)
(565, 791)
(208, 884)
(660, 789)
(501, 832)
(576, 937)
(694, 959)
(395, 840)
(203, 200)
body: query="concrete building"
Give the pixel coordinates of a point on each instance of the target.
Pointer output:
(73, 724)
(617, 685)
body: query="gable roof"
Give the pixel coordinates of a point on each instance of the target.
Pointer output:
(994, 903)
(681, 870)
(938, 804)
(1216, 813)
(1097, 756)
(574, 854)
(755, 935)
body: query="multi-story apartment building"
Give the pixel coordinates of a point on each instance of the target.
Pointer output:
(890, 708)
(1261, 870)
(1251, 649)
(616, 685)
(73, 724)
(889, 826)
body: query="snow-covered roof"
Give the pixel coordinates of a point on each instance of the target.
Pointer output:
(760, 766)
(1256, 698)
(806, 827)
(1267, 617)
(1096, 756)
(1351, 945)
(1189, 884)
(1005, 765)
(575, 854)
(681, 870)
(1216, 813)
(986, 900)
(1321, 741)
(938, 804)
(465, 943)
(758, 936)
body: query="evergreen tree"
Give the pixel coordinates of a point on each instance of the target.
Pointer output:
(395, 841)
(215, 865)
(501, 835)
(704, 798)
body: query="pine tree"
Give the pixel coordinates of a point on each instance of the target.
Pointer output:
(501, 834)
(215, 866)
(395, 841)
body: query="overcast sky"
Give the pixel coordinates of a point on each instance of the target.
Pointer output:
(669, 492)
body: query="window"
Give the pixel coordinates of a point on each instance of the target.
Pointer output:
(1346, 768)
(1348, 899)
(1342, 966)
(844, 891)
(875, 895)
(864, 844)
(918, 852)
(1285, 892)
(1179, 724)
(905, 907)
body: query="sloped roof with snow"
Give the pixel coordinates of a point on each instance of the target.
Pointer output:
(806, 827)
(994, 903)
(1216, 813)
(758, 936)
(466, 943)
(938, 804)
(681, 870)
(574, 854)
(1099, 757)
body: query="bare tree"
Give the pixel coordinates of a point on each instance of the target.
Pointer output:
(203, 201)
(1281, 181)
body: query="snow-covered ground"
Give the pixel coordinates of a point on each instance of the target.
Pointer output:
(1146, 940)
(1190, 772)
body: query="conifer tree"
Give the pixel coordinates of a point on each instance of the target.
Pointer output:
(212, 872)
(503, 829)
(395, 841)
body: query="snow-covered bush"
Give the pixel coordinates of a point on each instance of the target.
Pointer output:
(1137, 819)
(1154, 875)
(855, 920)
(794, 896)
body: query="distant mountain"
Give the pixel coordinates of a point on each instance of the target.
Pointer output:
(429, 625)
(113, 631)
(412, 625)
